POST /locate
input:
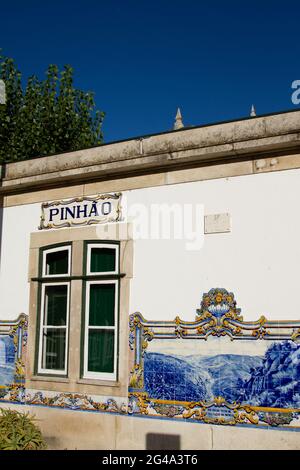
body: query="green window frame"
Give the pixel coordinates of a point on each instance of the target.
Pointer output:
(100, 343)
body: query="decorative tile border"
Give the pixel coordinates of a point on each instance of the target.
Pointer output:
(75, 401)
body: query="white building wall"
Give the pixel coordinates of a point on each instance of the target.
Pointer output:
(18, 223)
(258, 260)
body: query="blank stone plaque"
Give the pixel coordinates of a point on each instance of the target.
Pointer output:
(217, 223)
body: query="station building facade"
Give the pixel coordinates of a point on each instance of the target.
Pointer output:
(149, 289)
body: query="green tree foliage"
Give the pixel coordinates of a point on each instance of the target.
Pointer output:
(46, 116)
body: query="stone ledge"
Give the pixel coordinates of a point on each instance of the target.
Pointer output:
(246, 139)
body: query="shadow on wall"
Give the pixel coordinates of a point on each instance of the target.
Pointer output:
(162, 441)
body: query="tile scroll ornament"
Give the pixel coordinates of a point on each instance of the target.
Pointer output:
(74, 401)
(218, 369)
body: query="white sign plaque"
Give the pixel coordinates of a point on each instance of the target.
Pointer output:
(85, 210)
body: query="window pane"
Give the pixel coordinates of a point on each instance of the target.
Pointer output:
(57, 262)
(103, 260)
(102, 305)
(55, 305)
(101, 351)
(54, 348)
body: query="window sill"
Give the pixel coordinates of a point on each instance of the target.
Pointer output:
(49, 378)
(103, 383)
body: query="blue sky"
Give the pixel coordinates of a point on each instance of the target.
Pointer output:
(144, 58)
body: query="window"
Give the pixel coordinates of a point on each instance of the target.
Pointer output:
(79, 308)
(54, 311)
(101, 312)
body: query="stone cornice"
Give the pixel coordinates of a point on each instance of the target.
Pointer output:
(246, 139)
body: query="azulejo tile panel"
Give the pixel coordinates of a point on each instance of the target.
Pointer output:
(218, 369)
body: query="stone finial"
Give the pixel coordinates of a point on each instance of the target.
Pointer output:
(253, 111)
(178, 124)
(2, 92)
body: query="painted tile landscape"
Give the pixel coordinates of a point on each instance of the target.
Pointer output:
(7, 360)
(268, 379)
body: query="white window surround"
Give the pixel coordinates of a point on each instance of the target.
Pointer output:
(52, 250)
(102, 245)
(100, 375)
(40, 369)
